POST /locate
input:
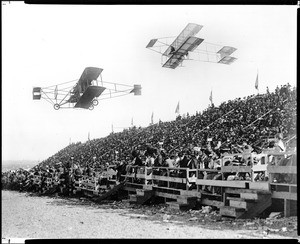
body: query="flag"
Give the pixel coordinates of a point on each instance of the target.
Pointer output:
(177, 109)
(89, 136)
(131, 121)
(210, 97)
(152, 118)
(256, 82)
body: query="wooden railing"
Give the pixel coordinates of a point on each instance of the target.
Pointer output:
(174, 178)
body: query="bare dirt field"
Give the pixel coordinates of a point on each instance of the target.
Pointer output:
(25, 216)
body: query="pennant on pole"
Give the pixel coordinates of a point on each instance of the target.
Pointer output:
(177, 109)
(152, 118)
(131, 121)
(210, 97)
(256, 82)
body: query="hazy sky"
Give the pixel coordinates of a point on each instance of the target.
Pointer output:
(43, 45)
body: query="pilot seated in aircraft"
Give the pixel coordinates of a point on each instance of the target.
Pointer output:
(172, 50)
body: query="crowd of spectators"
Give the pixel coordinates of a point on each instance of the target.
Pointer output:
(247, 122)
(241, 125)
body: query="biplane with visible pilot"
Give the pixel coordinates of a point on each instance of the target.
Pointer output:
(187, 46)
(85, 93)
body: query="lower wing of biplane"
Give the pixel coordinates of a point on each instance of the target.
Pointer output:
(85, 93)
(188, 47)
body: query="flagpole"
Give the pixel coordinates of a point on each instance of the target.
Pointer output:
(177, 109)
(256, 83)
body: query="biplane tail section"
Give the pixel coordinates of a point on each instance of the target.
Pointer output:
(36, 93)
(151, 43)
(225, 53)
(227, 60)
(137, 90)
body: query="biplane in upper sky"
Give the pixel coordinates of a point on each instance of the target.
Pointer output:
(85, 93)
(188, 47)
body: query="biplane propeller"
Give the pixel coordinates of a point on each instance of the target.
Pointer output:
(85, 93)
(188, 47)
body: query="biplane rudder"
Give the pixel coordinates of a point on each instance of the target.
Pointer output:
(137, 90)
(36, 93)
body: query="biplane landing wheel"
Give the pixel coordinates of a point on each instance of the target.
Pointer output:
(56, 106)
(95, 102)
(91, 107)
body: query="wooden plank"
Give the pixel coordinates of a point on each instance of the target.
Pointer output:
(260, 185)
(222, 183)
(287, 208)
(250, 196)
(209, 202)
(241, 204)
(147, 187)
(134, 184)
(140, 176)
(259, 167)
(190, 193)
(283, 184)
(132, 198)
(166, 188)
(241, 190)
(179, 206)
(140, 192)
(210, 194)
(130, 189)
(209, 170)
(293, 189)
(241, 199)
(187, 200)
(284, 195)
(231, 211)
(242, 169)
(282, 169)
(164, 194)
(170, 179)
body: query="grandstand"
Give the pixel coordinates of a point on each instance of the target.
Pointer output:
(228, 157)
(254, 120)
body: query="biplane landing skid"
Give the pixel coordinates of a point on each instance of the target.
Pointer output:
(86, 100)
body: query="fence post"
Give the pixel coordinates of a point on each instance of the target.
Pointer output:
(145, 173)
(168, 175)
(187, 178)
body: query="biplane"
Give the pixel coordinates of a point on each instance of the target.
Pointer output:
(186, 46)
(85, 93)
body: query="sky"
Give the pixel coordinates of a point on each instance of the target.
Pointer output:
(44, 45)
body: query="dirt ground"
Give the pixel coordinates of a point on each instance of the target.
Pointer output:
(26, 216)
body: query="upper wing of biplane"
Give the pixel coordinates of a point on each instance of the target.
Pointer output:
(189, 31)
(185, 44)
(85, 93)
